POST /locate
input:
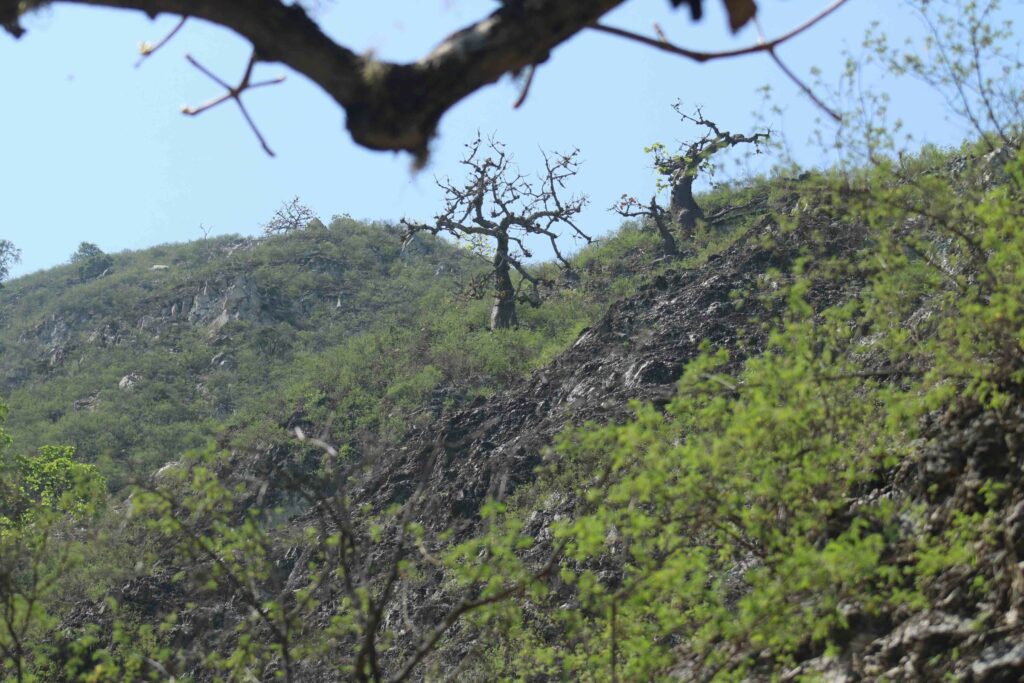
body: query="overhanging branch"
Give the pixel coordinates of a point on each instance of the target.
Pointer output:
(389, 106)
(397, 106)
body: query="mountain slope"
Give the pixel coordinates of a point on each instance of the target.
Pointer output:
(139, 364)
(792, 455)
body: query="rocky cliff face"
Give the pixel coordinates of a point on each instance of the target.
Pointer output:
(153, 301)
(957, 636)
(214, 304)
(208, 305)
(637, 351)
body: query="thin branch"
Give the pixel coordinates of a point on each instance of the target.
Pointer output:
(469, 605)
(530, 71)
(389, 105)
(147, 49)
(662, 43)
(796, 79)
(703, 56)
(233, 93)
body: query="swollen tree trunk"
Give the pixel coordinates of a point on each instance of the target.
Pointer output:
(503, 313)
(668, 240)
(685, 209)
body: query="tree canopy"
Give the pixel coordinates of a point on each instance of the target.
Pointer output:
(9, 255)
(91, 260)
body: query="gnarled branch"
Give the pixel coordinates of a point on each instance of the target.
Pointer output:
(496, 208)
(397, 106)
(389, 106)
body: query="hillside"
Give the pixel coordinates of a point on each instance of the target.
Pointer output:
(792, 453)
(147, 360)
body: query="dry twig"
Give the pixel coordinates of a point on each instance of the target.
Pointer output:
(763, 45)
(233, 93)
(147, 49)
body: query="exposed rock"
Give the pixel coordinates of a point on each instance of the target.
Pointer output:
(1014, 530)
(238, 300)
(222, 360)
(163, 473)
(107, 335)
(1000, 663)
(920, 637)
(242, 245)
(204, 307)
(636, 351)
(129, 381)
(88, 404)
(57, 356)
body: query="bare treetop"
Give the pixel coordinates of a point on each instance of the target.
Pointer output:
(293, 215)
(497, 202)
(497, 197)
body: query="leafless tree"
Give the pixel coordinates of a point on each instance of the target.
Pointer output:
(292, 216)
(397, 106)
(631, 207)
(678, 171)
(496, 208)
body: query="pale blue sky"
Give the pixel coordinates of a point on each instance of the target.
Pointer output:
(97, 150)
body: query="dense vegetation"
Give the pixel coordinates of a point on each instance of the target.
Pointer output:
(275, 448)
(776, 441)
(764, 464)
(139, 365)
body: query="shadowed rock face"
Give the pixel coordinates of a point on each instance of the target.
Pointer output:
(637, 351)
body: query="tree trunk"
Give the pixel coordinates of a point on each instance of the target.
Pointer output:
(503, 313)
(668, 240)
(685, 209)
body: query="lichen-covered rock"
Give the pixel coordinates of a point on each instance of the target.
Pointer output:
(1002, 662)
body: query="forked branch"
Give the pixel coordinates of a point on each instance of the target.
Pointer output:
(397, 106)
(496, 209)
(233, 93)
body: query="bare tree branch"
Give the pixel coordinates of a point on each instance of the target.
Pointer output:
(630, 207)
(146, 49)
(496, 208)
(796, 79)
(233, 93)
(389, 106)
(397, 106)
(662, 43)
(292, 216)
(679, 170)
(763, 45)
